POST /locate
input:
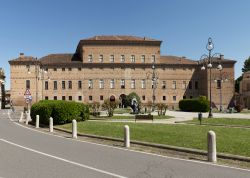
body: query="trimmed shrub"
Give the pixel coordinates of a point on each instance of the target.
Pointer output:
(61, 111)
(200, 104)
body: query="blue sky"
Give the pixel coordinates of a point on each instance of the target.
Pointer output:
(41, 27)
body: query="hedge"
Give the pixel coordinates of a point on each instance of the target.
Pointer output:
(200, 104)
(61, 111)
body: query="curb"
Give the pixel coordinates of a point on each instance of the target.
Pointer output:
(219, 125)
(169, 147)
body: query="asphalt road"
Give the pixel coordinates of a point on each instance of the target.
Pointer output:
(27, 153)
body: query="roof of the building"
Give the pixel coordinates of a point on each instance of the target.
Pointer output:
(56, 58)
(118, 38)
(25, 58)
(176, 60)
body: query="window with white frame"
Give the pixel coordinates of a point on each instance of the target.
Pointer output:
(90, 58)
(153, 58)
(101, 83)
(174, 85)
(122, 58)
(90, 84)
(112, 83)
(112, 58)
(133, 83)
(184, 85)
(122, 83)
(101, 58)
(143, 83)
(143, 58)
(164, 84)
(132, 58)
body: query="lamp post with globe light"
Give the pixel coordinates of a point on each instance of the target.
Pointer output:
(209, 60)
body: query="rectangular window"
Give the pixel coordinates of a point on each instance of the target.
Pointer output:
(143, 83)
(69, 69)
(143, 98)
(191, 97)
(143, 58)
(55, 97)
(90, 98)
(46, 98)
(174, 85)
(164, 84)
(112, 83)
(190, 85)
(79, 98)
(133, 83)
(63, 85)
(122, 83)
(174, 98)
(101, 58)
(184, 97)
(27, 84)
(90, 58)
(132, 58)
(101, 83)
(218, 84)
(70, 84)
(122, 58)
(70, 98)
(184, 85)
(112, 58)
(90, 84)
(196, 86)
(101, 97)
(55, 85)
(153, 58)
(79, 69)
(63, 97)
(63, 69)
(164, 98)
(46, 87)
(152, 84)
(79, 84)
(55, 69)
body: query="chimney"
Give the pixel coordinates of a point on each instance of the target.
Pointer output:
(21, 55)
(221, 57)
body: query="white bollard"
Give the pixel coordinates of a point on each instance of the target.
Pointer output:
(37, 121)
(21, 117)
(211, 145)
(27, 117)
(126, 136)
(74, 129)
(50, 124)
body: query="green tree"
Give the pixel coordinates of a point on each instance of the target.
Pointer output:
(130, 97)
(237, 84)
(246, 66)
(110, 106)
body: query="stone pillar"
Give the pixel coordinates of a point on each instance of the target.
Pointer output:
(126, 136)
(74, 129)
(211, 144)
(50, 124)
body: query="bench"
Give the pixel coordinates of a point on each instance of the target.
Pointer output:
(144, 117)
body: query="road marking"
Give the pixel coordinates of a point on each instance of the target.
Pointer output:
(62, 159)
(136, 151)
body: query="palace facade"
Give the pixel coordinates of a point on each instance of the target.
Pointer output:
(110, 67)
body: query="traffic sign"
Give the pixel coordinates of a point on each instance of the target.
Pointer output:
(27, 92)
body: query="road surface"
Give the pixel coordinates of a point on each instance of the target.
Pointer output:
(25, 152)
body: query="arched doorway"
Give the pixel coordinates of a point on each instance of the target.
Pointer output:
(122, 99)
(112, 98)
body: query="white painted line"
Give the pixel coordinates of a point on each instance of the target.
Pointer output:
(135, 151)
(62, 159)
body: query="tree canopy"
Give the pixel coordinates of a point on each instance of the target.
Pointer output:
(246, 66)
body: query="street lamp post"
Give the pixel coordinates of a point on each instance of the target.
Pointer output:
(209, 59)
(154, 79)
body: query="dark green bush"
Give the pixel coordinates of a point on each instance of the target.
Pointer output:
(61, 111)
(200, 104)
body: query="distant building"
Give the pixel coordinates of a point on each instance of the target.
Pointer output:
(2, 89)
(110, 67)
(245, 90)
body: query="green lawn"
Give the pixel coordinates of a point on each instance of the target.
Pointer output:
(222, 121)
(122, 110)
(229, 140)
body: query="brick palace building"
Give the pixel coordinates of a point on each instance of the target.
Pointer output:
(109, 67)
